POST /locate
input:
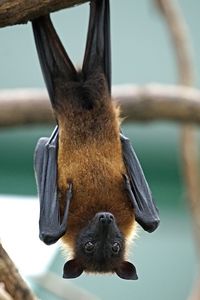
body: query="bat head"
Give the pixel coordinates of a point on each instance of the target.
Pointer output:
(100, 248)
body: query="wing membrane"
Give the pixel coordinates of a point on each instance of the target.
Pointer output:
(146, 213)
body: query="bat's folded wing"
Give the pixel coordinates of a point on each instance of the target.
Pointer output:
(50, 225)
(146, 212)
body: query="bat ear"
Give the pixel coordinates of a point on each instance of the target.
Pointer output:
(72, 269)
(127, 271)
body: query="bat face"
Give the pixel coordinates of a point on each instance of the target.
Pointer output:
(100, 248)
(100, 244)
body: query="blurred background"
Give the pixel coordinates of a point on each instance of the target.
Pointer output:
(165, 260)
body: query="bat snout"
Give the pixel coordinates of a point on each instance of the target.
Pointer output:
(105, 218)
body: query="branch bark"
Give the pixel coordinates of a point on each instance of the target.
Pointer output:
(21, 11)
(15, 286)
(138, 103)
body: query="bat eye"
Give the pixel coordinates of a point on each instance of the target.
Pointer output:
(116, 248)
(89, 247)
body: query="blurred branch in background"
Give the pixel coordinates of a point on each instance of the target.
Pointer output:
(15, 286)
(21, 11)
(138, 103)
(62, 288)
(196, 291)
(3, 294)
(182, 45)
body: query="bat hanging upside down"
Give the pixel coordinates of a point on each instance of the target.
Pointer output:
(91, 186)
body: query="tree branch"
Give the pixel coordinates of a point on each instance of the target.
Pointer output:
(138, 103)
(21, 11)
(15, 286)
(195, 295)
(3, 294)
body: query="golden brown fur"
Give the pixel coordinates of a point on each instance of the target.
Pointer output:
(90, 156)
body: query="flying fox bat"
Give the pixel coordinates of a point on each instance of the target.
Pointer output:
(91, 186)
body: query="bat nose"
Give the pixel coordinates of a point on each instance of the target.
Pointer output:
(105, 217)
